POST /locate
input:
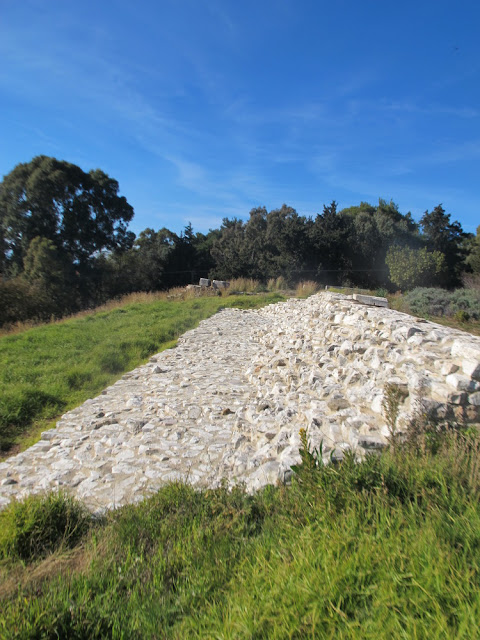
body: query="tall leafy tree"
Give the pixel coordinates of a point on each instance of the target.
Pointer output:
(228, 251)
(447, 237)
(330, 235)
(287, 243)
(473, 259)
(373, 231)
(80, 213)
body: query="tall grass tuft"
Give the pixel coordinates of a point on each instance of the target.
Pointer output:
(306, 289)
(39, 525)
(245, 285)
(277, 284)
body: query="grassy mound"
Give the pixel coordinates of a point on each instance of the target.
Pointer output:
(37, 526)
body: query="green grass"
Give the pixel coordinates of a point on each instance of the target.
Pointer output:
(35, 527)
(389, 548)
(47, 370)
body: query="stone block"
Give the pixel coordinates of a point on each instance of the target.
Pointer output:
(474, 399)
(471, 368)
(204, 282)
(448, 368)
(220, 284)
(371, 300)
(49, 435)
(337, 402)
(467, 350)
(457, 398)
(372, 442)
(460, 383)
(472, 413)
(377, 404)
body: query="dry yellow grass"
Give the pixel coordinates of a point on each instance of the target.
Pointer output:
(247, 285)
(306, 288)
(277, 284)
(62, 563)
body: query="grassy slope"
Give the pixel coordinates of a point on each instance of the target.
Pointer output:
(389, 548)
(47, 370)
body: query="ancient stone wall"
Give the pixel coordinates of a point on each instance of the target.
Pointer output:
(228, 402)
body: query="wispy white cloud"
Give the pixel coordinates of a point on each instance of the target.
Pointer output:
(432, 110)
(452, 153)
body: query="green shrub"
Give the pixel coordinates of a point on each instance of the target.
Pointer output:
(462, 316)
(440, 302)
(412, 267)
(41, 524)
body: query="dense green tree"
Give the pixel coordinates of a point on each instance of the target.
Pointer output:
(287, 240)
(447, 237)
(329, 236)
(268, 245)
(410, 268)
(204, 244)
(48, 277)
(181, 266)
(229, 252)
(473, 259)
(152, 250)
(42, 263)
(372, 231)
(81, 213)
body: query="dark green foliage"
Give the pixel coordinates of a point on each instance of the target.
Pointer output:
(448, 238)
(268, 245)
(64, 245)
(18, 302)
(55, 219)
(351, 245)
(473, 259)
(80, 213)
(439, 302)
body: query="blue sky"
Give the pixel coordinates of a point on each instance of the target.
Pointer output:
(204, 109)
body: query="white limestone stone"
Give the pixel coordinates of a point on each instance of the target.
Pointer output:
(460, 383)
(471, 368)
(466, 349)
(376, 301)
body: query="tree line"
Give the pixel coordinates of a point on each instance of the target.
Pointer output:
(65, 245)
